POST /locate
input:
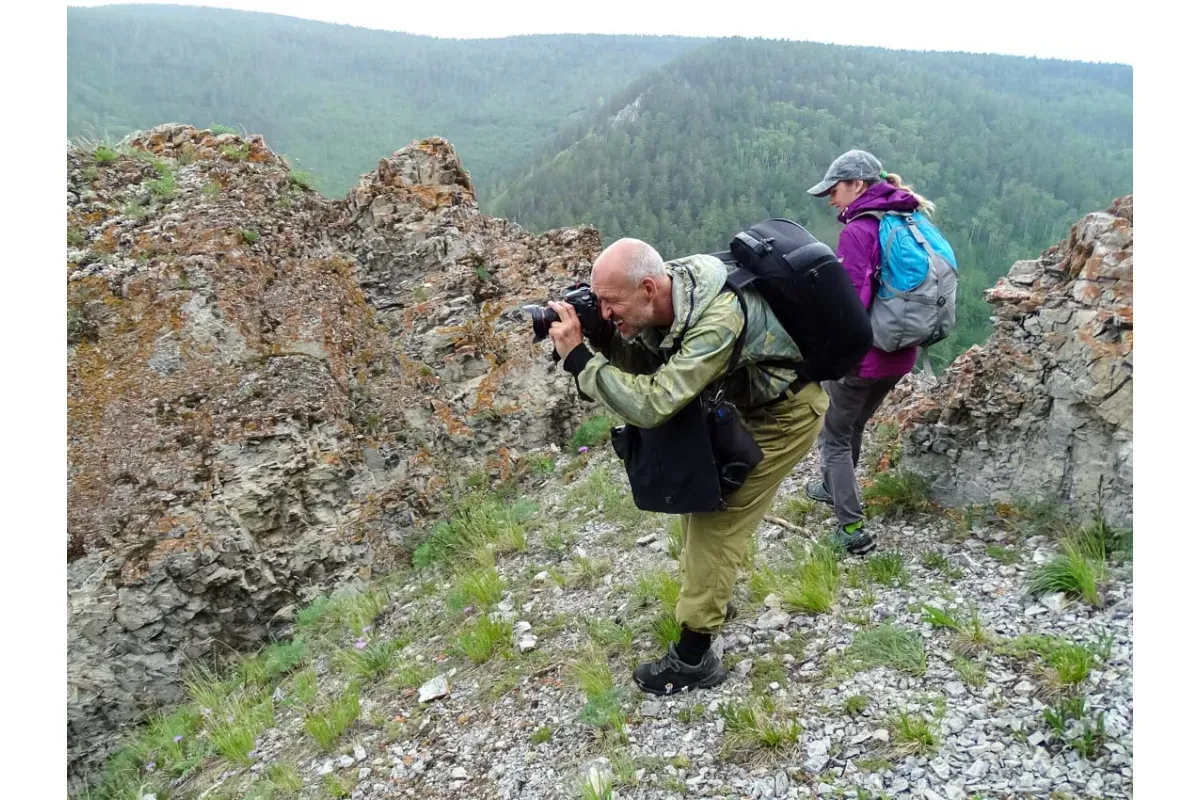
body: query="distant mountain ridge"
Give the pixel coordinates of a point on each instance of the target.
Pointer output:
(334, 97)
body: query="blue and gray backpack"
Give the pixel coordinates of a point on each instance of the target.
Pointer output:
(917, 280)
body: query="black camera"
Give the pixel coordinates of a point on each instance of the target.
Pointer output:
(582, 299)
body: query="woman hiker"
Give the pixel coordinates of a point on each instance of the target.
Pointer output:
(856, 183)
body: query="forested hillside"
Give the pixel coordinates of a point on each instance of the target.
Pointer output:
(1012, 150)
(337, 98)
(678, 141)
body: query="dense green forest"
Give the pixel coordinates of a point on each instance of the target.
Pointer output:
(678, 141)
(1012, 150)
(336, 98)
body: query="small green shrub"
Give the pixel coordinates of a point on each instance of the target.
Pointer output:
(104, 155)
(855, 705)
(895, 494)
(164, 186)
(249, 236)
(304, 180)
(604, 707)
(593, 432)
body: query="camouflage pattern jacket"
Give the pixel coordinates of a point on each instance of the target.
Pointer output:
(647, 380)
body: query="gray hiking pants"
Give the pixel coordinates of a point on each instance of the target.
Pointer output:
(852, 401)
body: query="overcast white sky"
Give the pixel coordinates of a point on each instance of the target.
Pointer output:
(1089, 31)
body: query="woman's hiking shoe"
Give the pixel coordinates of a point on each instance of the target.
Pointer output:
(669, 675)
(857, 542)
(817, 491)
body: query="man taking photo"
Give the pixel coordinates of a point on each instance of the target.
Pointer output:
(668, 331)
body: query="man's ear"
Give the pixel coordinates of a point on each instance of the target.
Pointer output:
(650, 287)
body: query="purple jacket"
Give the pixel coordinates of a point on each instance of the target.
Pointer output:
(858, 248)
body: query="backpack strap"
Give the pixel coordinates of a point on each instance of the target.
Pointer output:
(737, 280)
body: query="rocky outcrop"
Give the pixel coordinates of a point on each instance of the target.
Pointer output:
(1044, 409)
(265, 386)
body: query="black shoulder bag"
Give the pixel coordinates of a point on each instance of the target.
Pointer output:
(697, 457)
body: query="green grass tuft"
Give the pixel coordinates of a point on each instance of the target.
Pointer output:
(331, 722)
(666, 630)
(855, 705)
(912, 734)
(1073, 572)
(890, 646)
(1005, 555)
(812, 583)
(752, 726)
(371, 662)
(940, 618)
(480, 589)
(483, 638)
(477, 520)
(932, 559)
(593, 432)
(887, 569)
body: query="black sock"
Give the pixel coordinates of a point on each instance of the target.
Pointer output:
(692, 646)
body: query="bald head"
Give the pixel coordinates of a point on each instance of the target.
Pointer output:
(627, 261)
(633, 286)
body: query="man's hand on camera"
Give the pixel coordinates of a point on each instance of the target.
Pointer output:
(566, 333)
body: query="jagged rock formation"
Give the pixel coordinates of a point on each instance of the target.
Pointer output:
(264, 387)
(1044, 409)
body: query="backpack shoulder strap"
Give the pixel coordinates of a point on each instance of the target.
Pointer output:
(738, 279)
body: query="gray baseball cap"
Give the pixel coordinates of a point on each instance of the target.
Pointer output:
(849, 166)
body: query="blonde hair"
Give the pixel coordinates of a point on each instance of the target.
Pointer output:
(926, 207)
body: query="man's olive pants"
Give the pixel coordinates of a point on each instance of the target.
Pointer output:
(714, 543)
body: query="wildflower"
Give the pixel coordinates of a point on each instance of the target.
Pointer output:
(583, 449)
(178, 739)
(361, 644)
(150, 767)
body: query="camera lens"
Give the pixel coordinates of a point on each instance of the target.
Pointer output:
(543, 318)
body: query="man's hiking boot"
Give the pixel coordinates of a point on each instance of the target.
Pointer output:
(669, 675)
(817, 491)
(858, 542)
(730, 612)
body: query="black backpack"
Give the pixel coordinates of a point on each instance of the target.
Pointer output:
(808, 290)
